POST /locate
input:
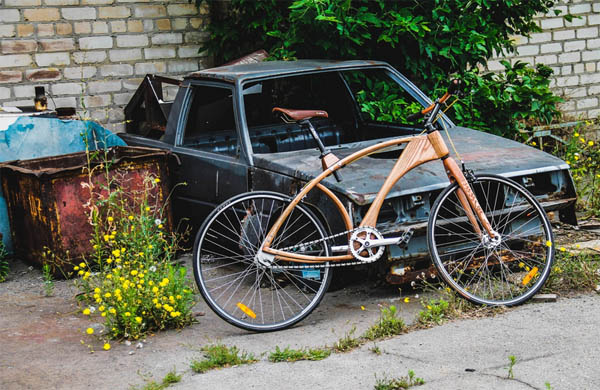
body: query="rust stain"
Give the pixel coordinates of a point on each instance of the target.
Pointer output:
(44, 74)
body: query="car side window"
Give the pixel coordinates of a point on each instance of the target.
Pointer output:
(379, 98)
(211, 122)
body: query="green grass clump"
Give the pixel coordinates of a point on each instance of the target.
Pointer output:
(389, 324)
(404, 382)
(435, 312)
(348, 342)
(292, 355)
(573, 272)
(170, 378)
(219, 355)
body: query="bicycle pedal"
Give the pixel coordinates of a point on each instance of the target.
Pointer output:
(405, 238)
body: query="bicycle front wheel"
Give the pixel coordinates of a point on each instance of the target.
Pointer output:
(503, 271)
(250, 293)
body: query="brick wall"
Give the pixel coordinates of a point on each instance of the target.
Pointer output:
(572, 50)
(93, 53)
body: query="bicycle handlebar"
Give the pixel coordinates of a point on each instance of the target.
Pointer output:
(453, 88)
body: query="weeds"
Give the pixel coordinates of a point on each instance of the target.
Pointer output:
(292, 355)
(512, 360)
(389, 324)
(171, 378)
(348, 342)
(4, 268)
(573, 272)
(219, 355)
(434, 312)
(130, 278)
(375, 349)
(403, 382)
(48, 280)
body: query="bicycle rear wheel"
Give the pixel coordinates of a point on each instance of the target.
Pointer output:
(506, 271)
(236, 285)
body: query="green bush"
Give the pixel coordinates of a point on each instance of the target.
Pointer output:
(448, 37)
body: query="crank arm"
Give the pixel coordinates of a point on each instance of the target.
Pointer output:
(373, 243)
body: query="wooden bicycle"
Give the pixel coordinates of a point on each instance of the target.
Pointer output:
(263, 260)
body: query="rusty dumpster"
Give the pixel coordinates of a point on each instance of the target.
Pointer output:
(46, 199)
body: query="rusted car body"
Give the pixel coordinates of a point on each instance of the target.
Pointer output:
(221, 127)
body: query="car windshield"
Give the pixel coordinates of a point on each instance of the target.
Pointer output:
(362, 105)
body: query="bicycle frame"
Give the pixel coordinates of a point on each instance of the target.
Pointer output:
(419, 150)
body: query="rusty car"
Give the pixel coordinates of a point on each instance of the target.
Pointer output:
(227, 141)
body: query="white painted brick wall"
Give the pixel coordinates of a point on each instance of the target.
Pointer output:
(95, 49)
(572, 49)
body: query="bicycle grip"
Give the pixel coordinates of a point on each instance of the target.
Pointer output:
(414, 116)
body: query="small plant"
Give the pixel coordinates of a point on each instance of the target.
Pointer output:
(170, 378)
(547, 386)
(404, 382)
(4, 268)
(512, 360)
(388, 325)
(583, 156)
(292, 355)
(219, 355)
(130, 278)
(48, 280)
(573, 272)
(375, 349)
(348, 342)
(435, 311)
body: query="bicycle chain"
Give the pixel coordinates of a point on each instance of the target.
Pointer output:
(406, 235)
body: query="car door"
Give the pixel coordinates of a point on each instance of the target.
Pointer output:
(212, 167)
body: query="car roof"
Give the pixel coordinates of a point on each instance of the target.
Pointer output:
(242, 72)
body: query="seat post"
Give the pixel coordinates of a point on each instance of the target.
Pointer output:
(327, 158)
(313, 132)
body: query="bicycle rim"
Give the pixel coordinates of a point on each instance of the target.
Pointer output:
(504, 272)
(239, 288)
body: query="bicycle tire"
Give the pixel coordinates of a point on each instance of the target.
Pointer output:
(236, 286)
(506, 272)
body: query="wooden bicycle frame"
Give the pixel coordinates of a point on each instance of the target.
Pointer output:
(419, 149)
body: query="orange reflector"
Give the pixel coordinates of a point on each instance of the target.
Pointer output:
(248, 311)
(530, 276)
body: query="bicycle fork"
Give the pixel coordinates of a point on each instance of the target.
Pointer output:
(469, 202)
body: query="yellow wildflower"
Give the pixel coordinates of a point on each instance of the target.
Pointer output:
(106, 346)
(130, 217)
(134, 272)
(112, 310)
(147, 208)
(138, 320)
(110, 219)
(101, 308)
(89, 331)
(82, 265)
(157, 180)
(406, 300)
(86, 312)
(107, 295)
(562, 249)
(576, 134)
(127, 314)
(591, 143)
